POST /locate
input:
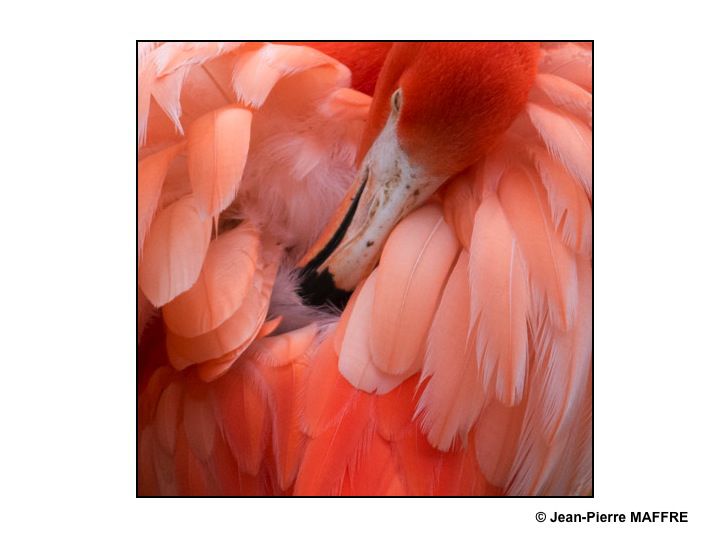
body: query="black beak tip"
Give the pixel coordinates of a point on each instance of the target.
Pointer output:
(318, 289)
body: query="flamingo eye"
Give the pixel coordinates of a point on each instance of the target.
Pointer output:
(396, 100)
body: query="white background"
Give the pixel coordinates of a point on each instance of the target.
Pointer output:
(67, 212)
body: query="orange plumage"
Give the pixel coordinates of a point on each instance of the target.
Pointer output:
(454, 208)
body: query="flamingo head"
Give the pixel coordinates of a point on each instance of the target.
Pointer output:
(437, 109)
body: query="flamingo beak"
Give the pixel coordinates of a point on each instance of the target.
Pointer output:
(387, 187)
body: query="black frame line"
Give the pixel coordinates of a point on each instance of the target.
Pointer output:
(592, 265)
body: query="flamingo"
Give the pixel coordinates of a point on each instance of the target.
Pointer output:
(341, 294)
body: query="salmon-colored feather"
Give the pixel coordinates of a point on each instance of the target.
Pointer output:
(151, 175)
(571, 61)
(191, 474)
(167, 417)
(174, 251)
(396, 409)
(282, 364)
(376, 472)
(280, 350)
(337, 449)
(458, 473)
(332, 395)
(147, 475)
(162, 73)
(171, 57)
(235, 334)
(563, 362)
(166, 475)
(569, 204)
(199, 421)
(346, 104)
(355, 359)
(416, 261)
(166, 92)
(224, 469)
(258, 71)
(418, 462)
(460, 201)
(577, 452)
(223, 284)
(551, 266)
(241, 410)
(555, 403)
(285, 397)
(568, 139)
(152, 390)
(496, 441)
(499, 302)
(217, 145)
(453, 396)
(565, 95)
(212, 369)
